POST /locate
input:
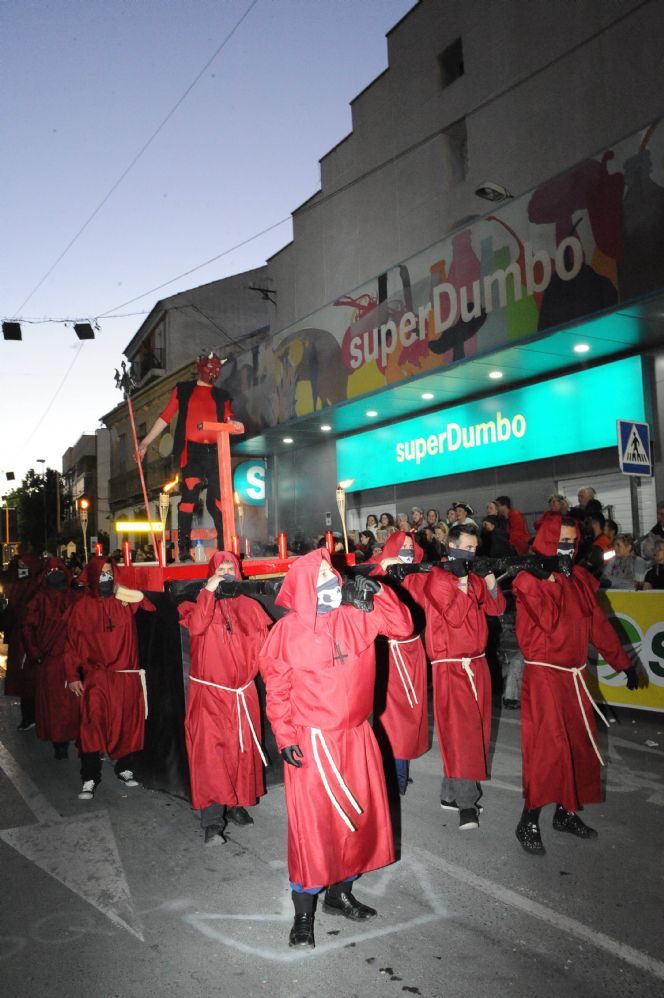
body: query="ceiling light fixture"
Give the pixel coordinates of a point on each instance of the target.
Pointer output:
(495, 375)
(326, 427)
(371, 412)
(288, 440)
(582, 348)
(427, 395)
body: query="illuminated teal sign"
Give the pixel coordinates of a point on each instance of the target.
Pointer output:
(249, 482)
(561, 416)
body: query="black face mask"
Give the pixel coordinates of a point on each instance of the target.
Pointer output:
(566, 547)
(56, 579)
(106, 584)
(460, 555)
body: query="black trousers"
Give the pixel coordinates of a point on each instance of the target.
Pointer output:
(202, 466)
(91, 765)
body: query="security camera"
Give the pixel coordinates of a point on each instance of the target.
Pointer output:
(493, 192)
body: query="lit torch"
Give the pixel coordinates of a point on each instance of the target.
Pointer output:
(341, 505)
(164, 507)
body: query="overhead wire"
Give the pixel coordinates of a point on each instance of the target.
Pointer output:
(139, 154)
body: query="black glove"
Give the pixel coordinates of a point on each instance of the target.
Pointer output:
(289, 753)
(537, 571)
(482, 567)
(457, 567)
(632, 675)
(359, 592)
(228, 590)
(399, 572)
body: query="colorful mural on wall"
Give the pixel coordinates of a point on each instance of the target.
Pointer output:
(580, 243)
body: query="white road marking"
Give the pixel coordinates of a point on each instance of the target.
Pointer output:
(81, 852)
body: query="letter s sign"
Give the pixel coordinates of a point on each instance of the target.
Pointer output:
(249, 482)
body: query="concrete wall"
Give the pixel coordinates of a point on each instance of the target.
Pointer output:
(545, 85)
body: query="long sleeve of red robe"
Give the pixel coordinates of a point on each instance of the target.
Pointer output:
(319, 672)
(456, 628)
(226, 637)
(45, 633)
(102, 643)
(554, 623)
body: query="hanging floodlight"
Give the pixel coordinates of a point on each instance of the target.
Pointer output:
(12, 331)
(84, 331)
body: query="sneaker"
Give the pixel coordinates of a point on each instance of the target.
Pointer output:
(214, 836)
(569, 821)
(25, 725)
(528, 834)
(127, 777)
(239, 815)
(87, 790)
(468, 819)
(451, 805)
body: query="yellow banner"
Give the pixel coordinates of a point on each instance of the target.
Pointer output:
(638, 618)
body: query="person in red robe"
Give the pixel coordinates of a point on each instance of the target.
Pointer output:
(44, 636)
(457, 605)
(319, 666)
(195, 402)
(517, 529)
(222, 724)
(102, 668)
(556, 617)
(401, 708)
(21, 584)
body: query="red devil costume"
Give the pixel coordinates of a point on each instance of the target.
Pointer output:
(555, 620)
(319, 670)
(102, 651)
(403, 717)
(456, 639)
(44, 635)
(222, 724)
(197, 402)
(21, 584)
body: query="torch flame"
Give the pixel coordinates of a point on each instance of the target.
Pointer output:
(171, 485)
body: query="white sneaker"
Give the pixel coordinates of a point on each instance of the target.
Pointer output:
(127, 777)
(87, 790)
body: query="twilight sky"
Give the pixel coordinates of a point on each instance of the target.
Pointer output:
(84, 85)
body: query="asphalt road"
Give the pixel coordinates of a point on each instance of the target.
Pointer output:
(118, 898)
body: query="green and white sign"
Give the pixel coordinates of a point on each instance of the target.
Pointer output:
(249, 482)
(561, 416)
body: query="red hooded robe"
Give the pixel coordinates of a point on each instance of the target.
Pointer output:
(226, 637)
(21, 665)
(457, 629)
(101, 644)
(404, 717)
(44, 636)
(554, 623)
(320, 672)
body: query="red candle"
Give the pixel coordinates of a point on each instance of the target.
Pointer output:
(126, 553)
(283, 545)
(235, 545)
(329, 541)
(99, 550)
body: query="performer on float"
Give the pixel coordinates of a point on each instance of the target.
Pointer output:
(556, 617)
(222, 724)
(319, 666)
(102, 669)
(400, 709)
(20, 585)
(44, 636)
(457, 605)
(195, 402)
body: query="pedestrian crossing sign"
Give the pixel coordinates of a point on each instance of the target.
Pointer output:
(634, 451)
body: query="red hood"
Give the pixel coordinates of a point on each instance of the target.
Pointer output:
(393, 545)
(298, 592)
(90, 575)
(548, 535)
(217, 559)
(53, 562)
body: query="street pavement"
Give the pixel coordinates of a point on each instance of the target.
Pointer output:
(118, 897)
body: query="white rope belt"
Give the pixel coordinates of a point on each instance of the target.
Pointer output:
(141, 673)
(465, 665)
(318, 736)
(239, 697)
(579, 682)
(404, 675)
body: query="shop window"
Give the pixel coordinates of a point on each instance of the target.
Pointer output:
(454, 140)
(450, 63)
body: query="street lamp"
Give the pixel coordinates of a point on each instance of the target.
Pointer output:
(83, 507)
(42, 461)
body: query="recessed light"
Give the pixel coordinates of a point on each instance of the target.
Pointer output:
(427, 395)
(371, 412)
(326, 428)
(495, 375)
(582, 348)
(288, 440)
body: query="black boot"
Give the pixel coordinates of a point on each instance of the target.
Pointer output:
(184, 545)
(239, 815)
(302, 933)
(214, 835)
(528, 832)
(340, 901)
(569, 821)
